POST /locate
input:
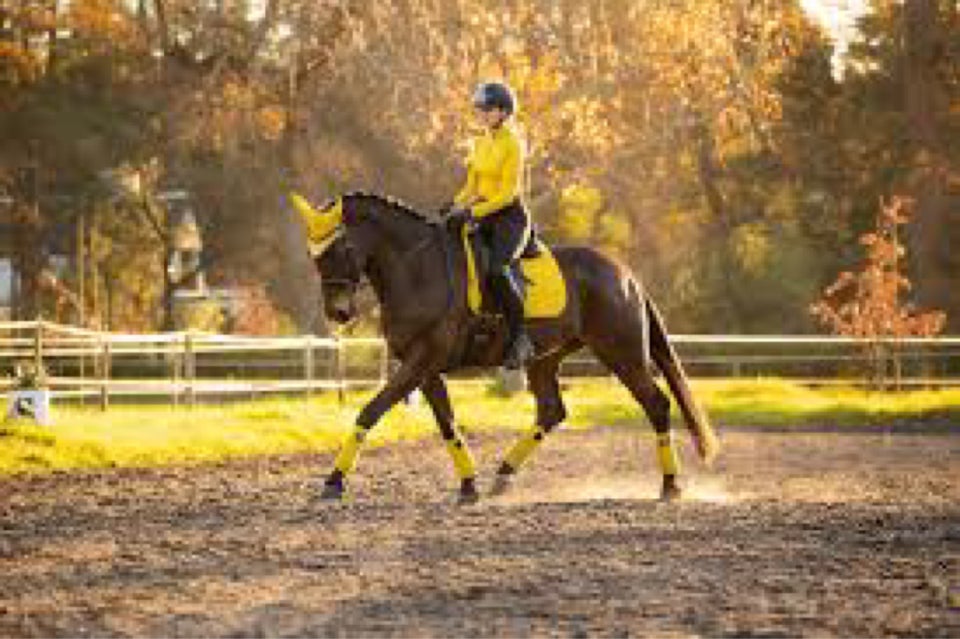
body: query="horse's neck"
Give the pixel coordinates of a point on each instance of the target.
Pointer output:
(407, 272)
(400, 239)
(396, 232)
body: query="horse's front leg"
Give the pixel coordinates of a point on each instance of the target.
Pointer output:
(435, 390)
(407, 378)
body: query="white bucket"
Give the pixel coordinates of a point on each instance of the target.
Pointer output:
(30, 404)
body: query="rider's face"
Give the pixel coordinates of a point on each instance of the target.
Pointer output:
(490, 118)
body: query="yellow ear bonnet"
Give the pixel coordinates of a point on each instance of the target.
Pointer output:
(322, 225)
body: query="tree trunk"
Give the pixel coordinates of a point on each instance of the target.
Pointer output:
(167, 322)
(935, 266)
(28, 252)
(721, 226)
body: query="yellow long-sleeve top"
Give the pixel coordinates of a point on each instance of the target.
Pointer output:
(494, 172)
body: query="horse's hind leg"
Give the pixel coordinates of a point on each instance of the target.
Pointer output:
(638, 379)
(435, 390)
(542, 376)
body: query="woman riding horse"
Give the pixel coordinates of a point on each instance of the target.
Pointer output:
(418, 270)
(491, 201)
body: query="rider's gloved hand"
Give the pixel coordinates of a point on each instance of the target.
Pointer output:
(458, 216)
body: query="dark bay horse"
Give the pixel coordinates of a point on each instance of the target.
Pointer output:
(417, 270)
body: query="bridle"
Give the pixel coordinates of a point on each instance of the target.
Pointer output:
(354, 286)
(351, 284)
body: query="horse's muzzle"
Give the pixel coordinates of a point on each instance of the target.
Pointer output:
(341, 312)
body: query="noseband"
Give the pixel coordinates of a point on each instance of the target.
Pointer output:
(353, 283)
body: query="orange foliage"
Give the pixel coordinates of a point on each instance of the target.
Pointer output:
(867, 304)
(106, 21)
(255, 313)
(18, 64)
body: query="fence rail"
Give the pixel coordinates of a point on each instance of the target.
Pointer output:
(187, 366)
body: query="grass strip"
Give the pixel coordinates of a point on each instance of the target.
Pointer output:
(143, 436)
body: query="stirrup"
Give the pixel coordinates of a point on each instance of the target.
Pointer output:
(521, 351)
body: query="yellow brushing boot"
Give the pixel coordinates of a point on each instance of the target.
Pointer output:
(669, 466)
(466, 470)
(334, 487)
(515, 458)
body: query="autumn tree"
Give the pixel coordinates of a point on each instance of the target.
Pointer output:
(182, 91)
(256, 314)
(868, 303)
(663, 109)
(707, 144)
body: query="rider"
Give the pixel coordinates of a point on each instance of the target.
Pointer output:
(491, 200)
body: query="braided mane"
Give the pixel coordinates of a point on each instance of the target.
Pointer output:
(392, 203)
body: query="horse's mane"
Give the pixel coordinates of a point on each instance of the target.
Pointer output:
(391, 203)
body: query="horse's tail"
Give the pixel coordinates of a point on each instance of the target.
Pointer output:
(704, 437)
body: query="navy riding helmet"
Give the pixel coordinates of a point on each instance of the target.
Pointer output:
(494, 95)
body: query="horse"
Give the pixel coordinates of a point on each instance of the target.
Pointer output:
(417, 267)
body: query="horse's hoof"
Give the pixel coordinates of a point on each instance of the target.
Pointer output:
(468, 493)
(501, 485)
(333, 491)
(670, 491)
(468, 499)
(707, 447)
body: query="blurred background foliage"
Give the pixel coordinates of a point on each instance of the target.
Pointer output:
(714, 146)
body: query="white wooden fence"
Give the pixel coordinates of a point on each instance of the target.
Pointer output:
(183, 367)
(82, 363)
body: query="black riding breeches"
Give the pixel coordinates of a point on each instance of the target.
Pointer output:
(505, 233)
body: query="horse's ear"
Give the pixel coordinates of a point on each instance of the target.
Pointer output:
(301, 205)
(322, 226)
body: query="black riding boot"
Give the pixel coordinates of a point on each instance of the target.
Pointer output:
(519, 348)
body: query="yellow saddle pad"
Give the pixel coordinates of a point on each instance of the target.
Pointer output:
(546, 293)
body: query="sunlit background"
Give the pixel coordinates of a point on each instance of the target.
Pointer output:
(733, 154)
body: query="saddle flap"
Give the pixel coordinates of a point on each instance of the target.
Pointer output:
(546, 292)
(481, 254)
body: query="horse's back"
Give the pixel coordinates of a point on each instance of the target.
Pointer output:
(607, 298)
(587, 267)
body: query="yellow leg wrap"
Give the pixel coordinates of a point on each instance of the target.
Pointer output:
(522, 450)
(667, 454)
(347, 458)
(462, 459)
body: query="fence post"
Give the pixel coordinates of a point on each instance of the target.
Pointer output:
(384, 362)
(83, 368)
(104, 373)
(898, 363)
(38, 345)
(308, 365)
(927, 365)
(171, 351)
(341, 358)
(189, 365)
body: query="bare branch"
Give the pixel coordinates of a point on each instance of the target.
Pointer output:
(160, 8)
(150, 211)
